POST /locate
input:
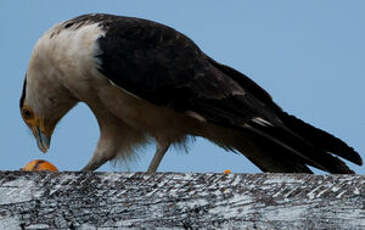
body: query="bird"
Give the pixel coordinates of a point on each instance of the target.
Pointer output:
(146, 81)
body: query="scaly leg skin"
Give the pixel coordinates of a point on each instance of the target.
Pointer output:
(95, 163)
(161, 149)
(99, 159)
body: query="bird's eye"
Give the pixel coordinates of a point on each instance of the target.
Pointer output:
(27, 114)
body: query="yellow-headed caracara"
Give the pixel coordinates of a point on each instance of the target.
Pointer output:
(145, 80)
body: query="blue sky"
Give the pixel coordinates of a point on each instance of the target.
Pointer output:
(309, 55)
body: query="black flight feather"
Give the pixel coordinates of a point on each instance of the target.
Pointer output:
(166, 68)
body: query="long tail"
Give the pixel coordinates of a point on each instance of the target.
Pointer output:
(321, 139)
(297, 144)
(286, 146)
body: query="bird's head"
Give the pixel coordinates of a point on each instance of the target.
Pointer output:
(55, 79)
(42, 129)
(42, 104)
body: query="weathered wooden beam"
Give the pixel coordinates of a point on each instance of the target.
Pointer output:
(75, 200)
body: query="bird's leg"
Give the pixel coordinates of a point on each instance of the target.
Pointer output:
(161, 149)
(96, 161)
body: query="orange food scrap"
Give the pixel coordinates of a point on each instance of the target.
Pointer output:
(227, 171)
(40, 165)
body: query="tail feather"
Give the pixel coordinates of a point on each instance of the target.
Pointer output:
(281, 139)
(271, 157)
(321, 139)
(300, 148)
(267, 155)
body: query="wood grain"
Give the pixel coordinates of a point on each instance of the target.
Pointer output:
(75, 200)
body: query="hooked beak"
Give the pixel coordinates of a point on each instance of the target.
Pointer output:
(43, 141)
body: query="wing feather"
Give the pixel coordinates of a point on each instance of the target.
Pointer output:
(166, 68)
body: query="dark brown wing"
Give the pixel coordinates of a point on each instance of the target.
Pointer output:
(166, 68)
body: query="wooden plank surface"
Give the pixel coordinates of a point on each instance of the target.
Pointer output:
(75, 200)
